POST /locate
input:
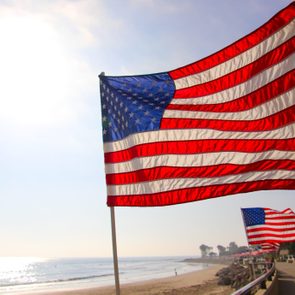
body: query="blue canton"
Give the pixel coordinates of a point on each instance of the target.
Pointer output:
(253, 216)
(132, 104)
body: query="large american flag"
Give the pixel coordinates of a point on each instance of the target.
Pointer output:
(219, 126)
(265, 226)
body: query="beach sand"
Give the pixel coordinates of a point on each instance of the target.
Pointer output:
(197, 283)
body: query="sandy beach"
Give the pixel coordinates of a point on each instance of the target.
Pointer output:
(197, 283)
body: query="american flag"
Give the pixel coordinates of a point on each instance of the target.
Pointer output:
(219, 126)
(267, 226)
(270, 246)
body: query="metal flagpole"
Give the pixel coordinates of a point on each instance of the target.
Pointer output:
(115, 256)
(252, 263)
(114, 241)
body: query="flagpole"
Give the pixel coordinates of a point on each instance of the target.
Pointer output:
(114, 240)
(252, 264)
(245, 227)
(115, 255)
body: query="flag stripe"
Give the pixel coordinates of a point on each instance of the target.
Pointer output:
(241, 89)
(282, 239)
(255, 59)
(199, 146)
(274, 24)
(287, 233)
(277, 120)
(255, 98)
(151, 174)
(197, 193)
(197, 160)
(286, 132)
(275, 227)
(261, 111)
(163, 185)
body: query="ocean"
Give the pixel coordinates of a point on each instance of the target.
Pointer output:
(20, 275)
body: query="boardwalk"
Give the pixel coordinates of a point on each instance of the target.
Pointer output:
(286, 278)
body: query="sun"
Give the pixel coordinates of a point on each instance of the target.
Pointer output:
(34, 72)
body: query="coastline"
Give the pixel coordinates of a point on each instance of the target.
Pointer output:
(197, 282)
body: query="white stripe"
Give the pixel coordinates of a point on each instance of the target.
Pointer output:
(197, 160)
(270, 232)
(164, 185)
(274, 226)
(242, 89)
(240, 60)
(283, 215)
(195, 134)
(275, 221)
(271, 212)
(283, 239)
(259, 112)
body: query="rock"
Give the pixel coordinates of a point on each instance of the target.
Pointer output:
(234, 275)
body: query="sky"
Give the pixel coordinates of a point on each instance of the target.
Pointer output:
(52, 185)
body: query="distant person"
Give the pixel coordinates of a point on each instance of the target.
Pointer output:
(175, 272)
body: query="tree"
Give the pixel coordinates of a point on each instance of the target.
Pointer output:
(233, 248)
(212, 254)
(205, 250)
(290, 246)
(221, 250)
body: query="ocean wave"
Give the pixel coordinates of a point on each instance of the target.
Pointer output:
(55, 281)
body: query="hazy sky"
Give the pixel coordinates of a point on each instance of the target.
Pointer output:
(52, 186)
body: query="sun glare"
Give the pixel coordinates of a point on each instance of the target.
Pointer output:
(34, 72)
(10, 264)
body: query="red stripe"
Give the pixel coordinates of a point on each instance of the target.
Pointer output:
(262, 228)
(255, 98)
(270, 240)
(241, 75)
(271, 236)
(281, 19)
(286, 211)
(277, 120)
(163, 172)
(282, 216)
(197, 194)
(200, 146)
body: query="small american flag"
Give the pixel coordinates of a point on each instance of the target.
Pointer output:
(220, 126)
(265, 226)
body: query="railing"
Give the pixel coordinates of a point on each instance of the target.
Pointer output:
(258, 283)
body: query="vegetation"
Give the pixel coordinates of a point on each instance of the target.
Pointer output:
(231, 249)
(289, 246)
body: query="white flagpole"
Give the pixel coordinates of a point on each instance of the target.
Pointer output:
(115, 255)
(114, 241)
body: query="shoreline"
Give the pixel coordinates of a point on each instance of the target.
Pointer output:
(197, 282)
